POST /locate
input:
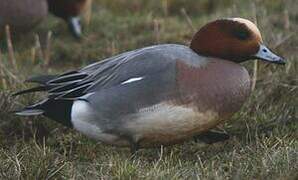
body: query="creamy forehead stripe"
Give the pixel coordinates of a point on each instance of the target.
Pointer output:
(249, 24)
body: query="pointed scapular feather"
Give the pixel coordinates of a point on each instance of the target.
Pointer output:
(68, 78)
(67, 87)
(41, 79)
(68, 73)
(76, 92)
(31, 90)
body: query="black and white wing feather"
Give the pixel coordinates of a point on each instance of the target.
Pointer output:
(107, 73)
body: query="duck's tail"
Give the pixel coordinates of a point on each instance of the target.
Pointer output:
(58, 110)
(33, 110)
(41, 80)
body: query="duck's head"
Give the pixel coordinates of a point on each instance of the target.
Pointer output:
(234, 39)
(69, 10)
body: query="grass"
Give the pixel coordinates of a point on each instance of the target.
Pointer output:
(264, 143)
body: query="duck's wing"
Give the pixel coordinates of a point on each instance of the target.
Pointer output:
(121, 69)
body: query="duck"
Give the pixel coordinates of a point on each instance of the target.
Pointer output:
(157, 95)
(69, 11)
(24, 15)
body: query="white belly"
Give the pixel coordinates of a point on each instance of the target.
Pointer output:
(82, 114)
(159, 124)
(166, 124)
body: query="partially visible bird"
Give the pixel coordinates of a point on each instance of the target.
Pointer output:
(23, 15)
(70, 11)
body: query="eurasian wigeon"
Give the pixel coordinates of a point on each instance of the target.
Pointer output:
(70, 11)
(158, 95)
(23, 15)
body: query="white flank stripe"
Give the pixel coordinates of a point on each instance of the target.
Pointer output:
(132, 80)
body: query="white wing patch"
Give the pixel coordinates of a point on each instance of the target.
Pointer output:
(132, 80)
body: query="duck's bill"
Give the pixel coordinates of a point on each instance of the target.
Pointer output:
(266, 55)
(75, 26)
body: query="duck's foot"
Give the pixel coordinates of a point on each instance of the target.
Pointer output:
(210, 137)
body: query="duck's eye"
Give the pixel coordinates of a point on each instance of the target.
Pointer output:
(241, 34)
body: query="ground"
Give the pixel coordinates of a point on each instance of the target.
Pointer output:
(264, 142)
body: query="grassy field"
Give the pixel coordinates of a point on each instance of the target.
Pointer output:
(264, 143)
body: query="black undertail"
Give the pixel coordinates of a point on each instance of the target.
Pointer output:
(58, 110)
(62, 91)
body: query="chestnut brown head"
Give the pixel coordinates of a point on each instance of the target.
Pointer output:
(69, 10)
(234, 39)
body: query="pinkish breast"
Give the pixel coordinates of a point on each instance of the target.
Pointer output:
(220, 86)
(207, 95)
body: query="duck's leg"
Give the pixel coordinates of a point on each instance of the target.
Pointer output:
(210, 137)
